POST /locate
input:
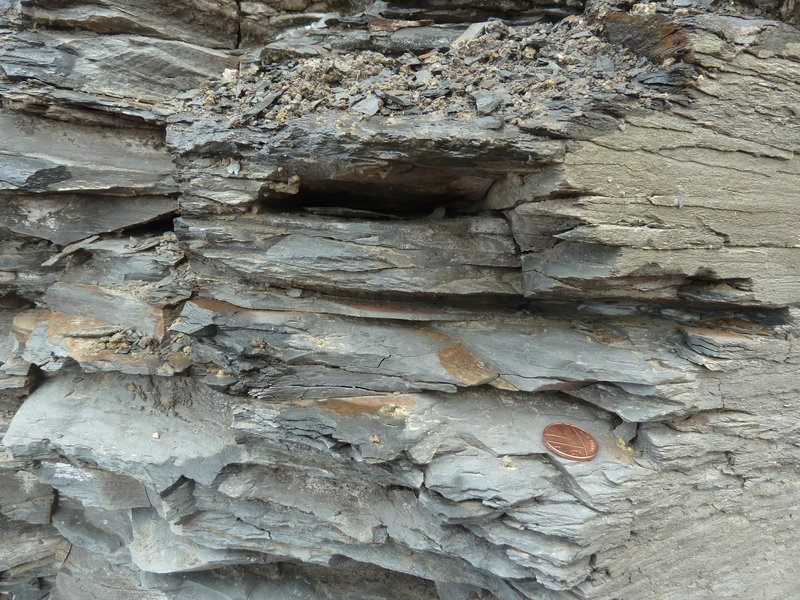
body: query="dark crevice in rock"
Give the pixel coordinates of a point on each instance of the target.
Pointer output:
(414, 192)
(158, 226)
(451, 11)
(238, 43)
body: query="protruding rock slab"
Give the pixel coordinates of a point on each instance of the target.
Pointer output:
(627, 368)
(459, 256)
(152, 429)
(129, 70)
(475, 468)
(118, 307)
(40, 155)
(386, 165)
(94, 487)
(32, 550)
(67, 218)
(198, 22)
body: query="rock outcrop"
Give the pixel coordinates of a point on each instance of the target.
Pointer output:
(289, 291)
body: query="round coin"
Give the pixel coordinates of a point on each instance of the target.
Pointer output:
(568, 441)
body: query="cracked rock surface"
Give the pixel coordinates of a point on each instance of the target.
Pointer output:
(289, 291)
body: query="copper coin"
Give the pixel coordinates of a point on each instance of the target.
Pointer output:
(568, 441)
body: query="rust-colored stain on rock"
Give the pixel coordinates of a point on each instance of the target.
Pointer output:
(501, 384)
(82, 349)
(58, 324)
(464, 366)
(25, 322)
(393, 405)
(568, 441)
(742, 326)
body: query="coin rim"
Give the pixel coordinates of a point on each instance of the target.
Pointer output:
(564, 455)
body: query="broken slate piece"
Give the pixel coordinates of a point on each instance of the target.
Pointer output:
(423, 77)
(67, 218)
(394, 98)
(262, 105)
(108, 421)
(369, 105)
(472, 32)
(603, 63)
(485, 102)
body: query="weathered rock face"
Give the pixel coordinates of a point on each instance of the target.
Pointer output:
(289, 292)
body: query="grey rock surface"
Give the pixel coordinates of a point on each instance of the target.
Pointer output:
(290, 290)
(211, 24)
(464, 256)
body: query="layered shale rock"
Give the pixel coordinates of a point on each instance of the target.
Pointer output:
(290, 290)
